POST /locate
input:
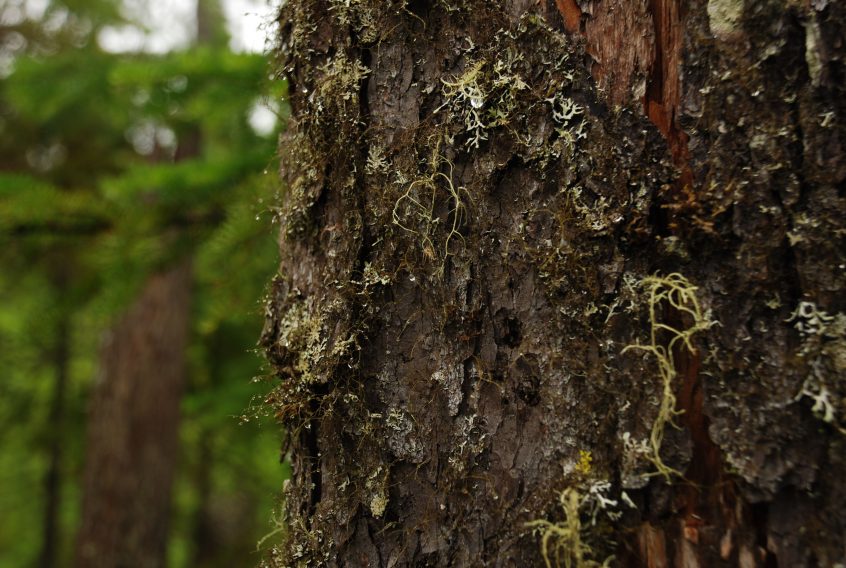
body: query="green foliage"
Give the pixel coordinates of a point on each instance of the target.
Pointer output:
(111, 167)
(28, 204)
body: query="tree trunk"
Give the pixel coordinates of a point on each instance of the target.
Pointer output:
(133, 434)
(563, 281)
(60, 358)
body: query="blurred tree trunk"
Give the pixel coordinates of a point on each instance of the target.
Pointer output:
(133, 440)
(132, 444)
(479, 194)
(60, 358)
(133, 434)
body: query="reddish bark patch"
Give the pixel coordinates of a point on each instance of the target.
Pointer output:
(705, 472)
(652, 546)
(708, 497)
(637, 52)
(571, 13)
(663, 91)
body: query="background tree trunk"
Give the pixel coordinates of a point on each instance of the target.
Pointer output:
(479, 195)
(133, 434)
(60, 358)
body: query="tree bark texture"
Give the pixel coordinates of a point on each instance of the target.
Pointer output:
(567, 269)
(133, 434)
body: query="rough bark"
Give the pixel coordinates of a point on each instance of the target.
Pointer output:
(133, 434)
(479, 196)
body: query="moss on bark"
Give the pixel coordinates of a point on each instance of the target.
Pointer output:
(466, 221)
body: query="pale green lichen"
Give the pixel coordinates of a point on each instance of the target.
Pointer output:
(824, 350)
(465, 96)
(635, 453)
(362, 16)
(415, 211)
(471, 442)
(300, 332)
(376, 161)
(484, 96)
(569, 543)
(400, 436)
(569, 120)
(451, 379)
(377, 489)
(812, 49)
(339, 85)
(678, 294)
(724, 16)
(563, 543)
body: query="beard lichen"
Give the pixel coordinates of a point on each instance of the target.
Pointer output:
(678, 294)
(415, 212)
(575, 541)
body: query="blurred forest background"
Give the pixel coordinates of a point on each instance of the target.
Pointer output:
(123, 169)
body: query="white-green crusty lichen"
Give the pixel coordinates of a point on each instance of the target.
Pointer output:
(376, 488)
(484, 95)
(469, 441)
(338, 85)
(587, 503)
(724, 17)
(823, 350)
(305, 332)
(322, 334)
(402, 440)
(450, 378)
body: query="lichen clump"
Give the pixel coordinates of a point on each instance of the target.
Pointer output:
(679, 295)
(823, 350)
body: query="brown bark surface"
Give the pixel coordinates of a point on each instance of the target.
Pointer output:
(477, 196)
(132, 439)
